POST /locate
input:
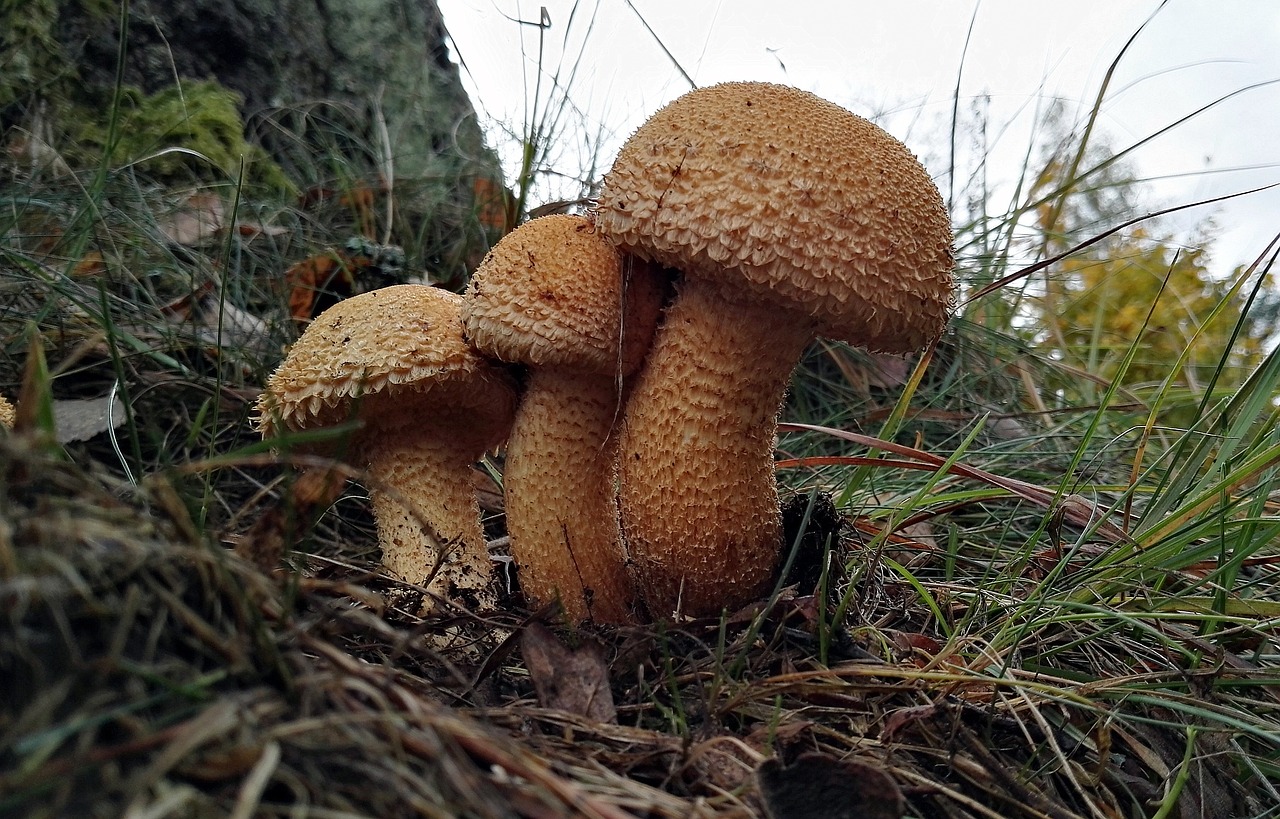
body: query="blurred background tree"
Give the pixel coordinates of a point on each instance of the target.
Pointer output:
(1151, 285)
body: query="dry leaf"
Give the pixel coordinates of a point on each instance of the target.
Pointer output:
(898, 721)
(80, 420)
(90, 265)
(36, 152)
(320, 281)
(573, 680)
(199, 217)
(284, 525)
(817, 786)
(307, 280)
(495, 205)
(488, 493)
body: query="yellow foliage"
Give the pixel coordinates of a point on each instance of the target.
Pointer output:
(1143, 290)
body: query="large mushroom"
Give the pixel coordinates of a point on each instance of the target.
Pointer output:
(556, 297)
(429, 408)
(790, 218)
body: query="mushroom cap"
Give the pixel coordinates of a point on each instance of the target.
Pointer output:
(396, 350)
(555, 293)
(8, 413)
(776, 192)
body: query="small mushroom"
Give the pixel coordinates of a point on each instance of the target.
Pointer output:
(395, 360)
(556, 297)
(789, 218)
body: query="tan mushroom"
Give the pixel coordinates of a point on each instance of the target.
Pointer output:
(430, 407)
(790, 218)
(555, 296)
(8, 413)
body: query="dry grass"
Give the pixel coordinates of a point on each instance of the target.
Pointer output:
(151, 671)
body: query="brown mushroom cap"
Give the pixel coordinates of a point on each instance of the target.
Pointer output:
(774, 189)
(377, 350)
(8, 413)
(554, 293)
(557, 297)
(395, 359)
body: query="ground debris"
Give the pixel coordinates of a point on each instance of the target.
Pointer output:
(570, 679)
(147, 668)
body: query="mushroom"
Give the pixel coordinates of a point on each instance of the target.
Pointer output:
(8, 413)
(555, 296)
(789, 218)
(429, 408)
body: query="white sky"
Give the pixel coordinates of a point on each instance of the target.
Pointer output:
(897, 62)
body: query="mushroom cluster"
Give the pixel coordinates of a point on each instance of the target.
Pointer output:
(639, 466)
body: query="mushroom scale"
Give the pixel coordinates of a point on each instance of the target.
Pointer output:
(556, 297)
(395, 359)
(8, 413)
(789, 218)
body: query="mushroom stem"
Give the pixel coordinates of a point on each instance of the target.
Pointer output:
(699, 503)
(561, 491)
(409, 464)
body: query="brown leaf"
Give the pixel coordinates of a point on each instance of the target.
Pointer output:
(488, 493)
(281, 528)
(92, 264)
(817, 786)
(899, 720)
(304, 280)
(910, 642)
(573, 680)
(199, 217)
(249, 229)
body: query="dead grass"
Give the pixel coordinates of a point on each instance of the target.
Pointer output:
(151, 671)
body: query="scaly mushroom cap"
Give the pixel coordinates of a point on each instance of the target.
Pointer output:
(771, 188)
(379, 348)
(8, 413)
(554, 293)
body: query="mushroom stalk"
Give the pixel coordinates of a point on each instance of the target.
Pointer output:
(699, 503)
(562, 510)
(436, 540)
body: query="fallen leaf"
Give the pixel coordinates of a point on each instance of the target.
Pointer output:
(250, 229)
(488, 493)
(320, 281)
(285, 525)
(199, 217)
(309, 279)
(817, 786)
(572, 680)
(92, 264)
(82, 419)
(495, 205)
(898, 721)
(36, 152)
(910, 642)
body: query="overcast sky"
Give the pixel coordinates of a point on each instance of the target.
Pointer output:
(898, 63)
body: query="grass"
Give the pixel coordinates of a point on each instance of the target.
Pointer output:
(1018, 586)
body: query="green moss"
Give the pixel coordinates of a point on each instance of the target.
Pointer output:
(186, 132)
(31, 59)
(28, 51)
